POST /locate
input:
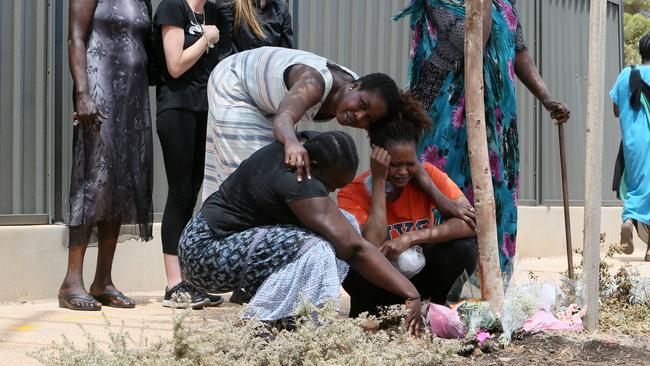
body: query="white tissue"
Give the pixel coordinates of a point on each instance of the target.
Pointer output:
(411, 261)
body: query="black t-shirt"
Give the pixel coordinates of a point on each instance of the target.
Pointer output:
(258, 193)
(275, 21)
(189, 90)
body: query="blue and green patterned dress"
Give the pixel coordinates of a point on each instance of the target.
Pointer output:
(436, 78)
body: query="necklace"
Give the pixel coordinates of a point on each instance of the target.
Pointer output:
(200, 25)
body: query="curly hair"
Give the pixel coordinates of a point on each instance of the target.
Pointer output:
(407, 125)
(386, 86)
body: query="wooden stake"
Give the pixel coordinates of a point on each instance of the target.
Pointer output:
(486, 228)
(594, 157)
(565, 201)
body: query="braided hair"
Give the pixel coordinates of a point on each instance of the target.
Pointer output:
(644, 48)
(333, 149)
(407, 126)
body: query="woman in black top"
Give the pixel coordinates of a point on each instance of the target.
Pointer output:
(267, 236)
(191, 37)
(259, 23)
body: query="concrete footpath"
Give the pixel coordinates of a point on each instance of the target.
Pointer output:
(28, 326)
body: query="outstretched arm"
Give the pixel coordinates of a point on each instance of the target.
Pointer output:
(321, 215)
(529, 75)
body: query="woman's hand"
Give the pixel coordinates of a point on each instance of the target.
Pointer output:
(559, 110)
(379, 163)
(391, 249)
(86, 111)
(458, 208)
(414, 323)
(296, 156)
(211, 33)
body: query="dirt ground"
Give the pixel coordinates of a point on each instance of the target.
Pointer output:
(546, 349)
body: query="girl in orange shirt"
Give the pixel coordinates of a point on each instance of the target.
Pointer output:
(394, 203)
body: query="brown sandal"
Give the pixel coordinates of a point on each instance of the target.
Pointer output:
(66, 302)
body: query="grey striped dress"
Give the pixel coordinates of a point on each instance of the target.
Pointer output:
(244, 93)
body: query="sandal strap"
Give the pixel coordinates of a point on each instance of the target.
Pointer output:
(70, 297)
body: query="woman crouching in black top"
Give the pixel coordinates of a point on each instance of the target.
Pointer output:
(269, 238)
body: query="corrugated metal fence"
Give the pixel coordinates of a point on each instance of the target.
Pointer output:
(35, 92)
(25, 113)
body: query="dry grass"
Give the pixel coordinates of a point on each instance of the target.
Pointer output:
(321, 338)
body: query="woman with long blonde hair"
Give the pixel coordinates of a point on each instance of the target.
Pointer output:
(258, 23)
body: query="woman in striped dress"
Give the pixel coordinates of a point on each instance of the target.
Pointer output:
(256, 97)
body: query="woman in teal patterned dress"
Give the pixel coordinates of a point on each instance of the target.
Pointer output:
(436, 78)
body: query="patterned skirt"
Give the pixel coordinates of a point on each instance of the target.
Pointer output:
(276, 264)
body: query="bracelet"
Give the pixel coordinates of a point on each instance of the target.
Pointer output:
(209, 45)
(412, 298)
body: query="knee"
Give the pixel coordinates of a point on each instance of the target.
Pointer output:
(466, 252)
(457, 255)
(182, 198)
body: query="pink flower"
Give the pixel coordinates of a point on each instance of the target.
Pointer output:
(432, 30)
(458, 115)
(469, 194)
(495, 165)
(508, 14)
(509, 245)
(431, 154)
(414, 44)
(511, 70)
(515, 193)
(482, 336)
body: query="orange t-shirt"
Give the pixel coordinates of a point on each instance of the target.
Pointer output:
(413, 210)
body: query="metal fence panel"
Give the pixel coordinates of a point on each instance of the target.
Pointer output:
(24, 110)
(36, 90)
(564, 65)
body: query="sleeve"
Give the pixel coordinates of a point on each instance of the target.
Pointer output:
(520, 41)
(353, 199)
(286, 26)
(288, 189)
(224, 21)
(614, 94)
(170, 12)
(443, 182)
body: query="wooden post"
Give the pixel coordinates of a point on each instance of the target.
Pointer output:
(565, 201)
(593, 159)
(486, 227)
